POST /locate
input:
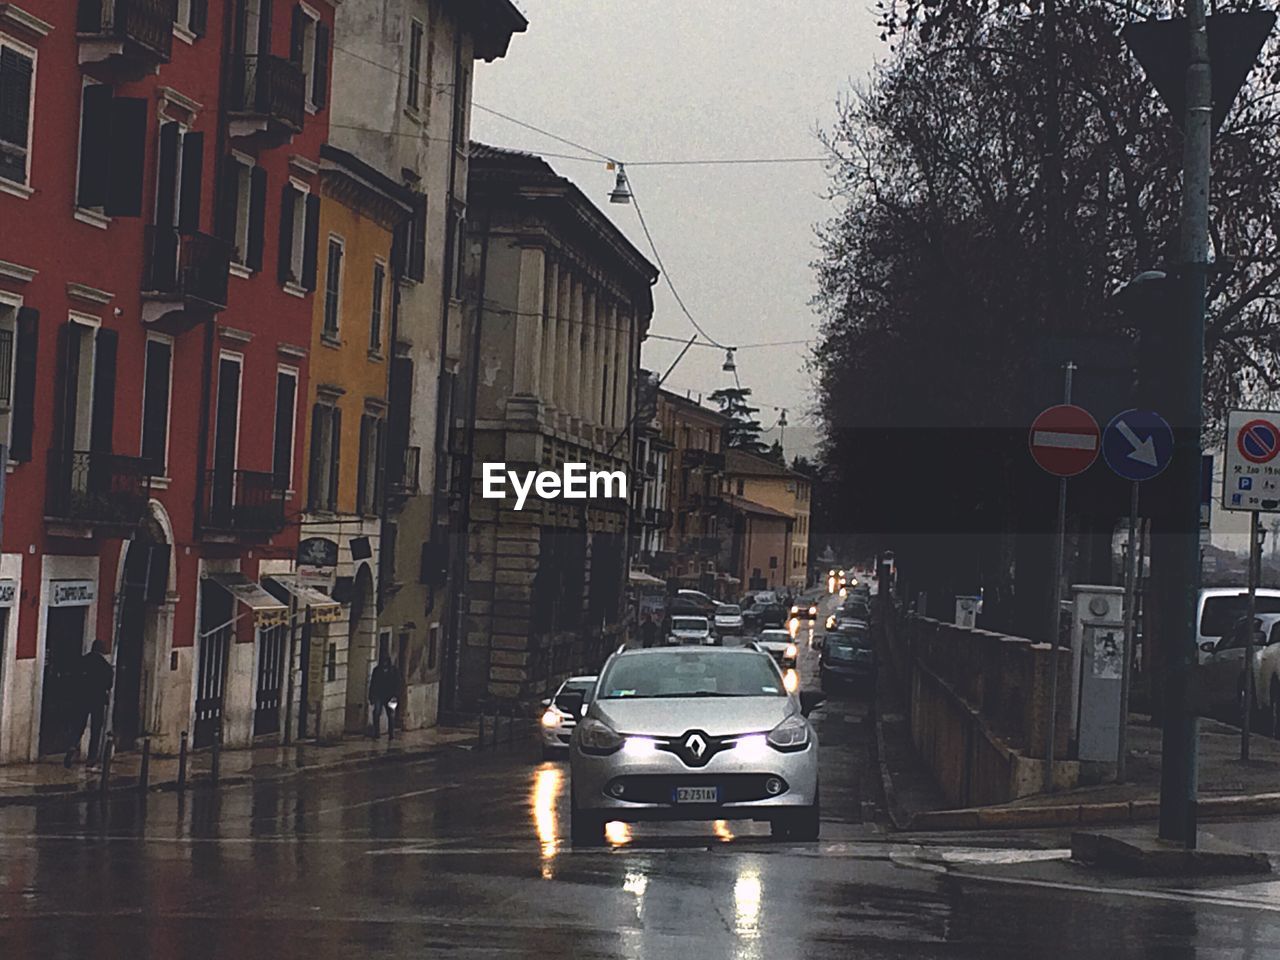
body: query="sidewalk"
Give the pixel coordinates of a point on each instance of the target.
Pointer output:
(1227, 786)
(35, 782)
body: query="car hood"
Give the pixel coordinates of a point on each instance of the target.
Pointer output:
(672, 716)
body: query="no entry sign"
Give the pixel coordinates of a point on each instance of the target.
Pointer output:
(1064, 440)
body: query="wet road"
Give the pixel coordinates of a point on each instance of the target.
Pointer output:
(466, 855)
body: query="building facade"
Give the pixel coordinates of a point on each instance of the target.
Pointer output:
(175, 149)
(402, 104)
(757, 480)
(562, 302)
(651, 513)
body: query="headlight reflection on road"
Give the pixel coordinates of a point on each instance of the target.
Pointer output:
(546, 790)
(747, 892)
(617, 833)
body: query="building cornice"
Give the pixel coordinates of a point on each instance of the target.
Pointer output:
(13, 15)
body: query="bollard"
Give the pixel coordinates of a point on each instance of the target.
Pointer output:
(480, 740)
(215, 758)
(182, 762)
(108, 749)
(144, 771)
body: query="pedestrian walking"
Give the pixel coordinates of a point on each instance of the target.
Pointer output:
(89, 698)
(384, 689)
(648, 632)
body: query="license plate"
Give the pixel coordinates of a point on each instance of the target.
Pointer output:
(697, 795)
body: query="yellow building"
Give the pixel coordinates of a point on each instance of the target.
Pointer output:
(347, 480)
(769, 484)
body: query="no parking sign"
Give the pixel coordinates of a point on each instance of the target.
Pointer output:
(1251, 470)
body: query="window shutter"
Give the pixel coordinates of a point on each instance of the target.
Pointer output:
(320, 83)
(257, 216)
(15, 112)
(335, 455)
(282, 454)
(125, 156)
(228, 201)
(317, 464)
(379, 464)
(198, 22)
(362, 473)
(399, 403)
(95, 145)
(192, 182)
(264, 27)
(311, 242)
(158, 573)
(418, 239)
(24, 384)
(155, 406)
(286, 233)
(64, 398)
(104, 391)
(166, 178)
(297, 36)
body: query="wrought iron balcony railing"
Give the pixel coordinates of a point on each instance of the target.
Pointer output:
(709, 459)
(87, 486)
(243, 501)
(270, 88)
(143, 27)
(404, 482)
(190, 266)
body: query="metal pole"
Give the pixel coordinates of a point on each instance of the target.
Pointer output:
(1246, 702)
(1130, 630)
(182, 762)
(1179, 743)
(215, 758)
(1059, 551)
(144, 771)
(108, 750)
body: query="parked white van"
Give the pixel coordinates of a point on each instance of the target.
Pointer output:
(1220, 608)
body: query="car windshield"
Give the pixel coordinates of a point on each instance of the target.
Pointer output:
(1222, 613)
(693, 673)
(571, 690)
(850, 640)
(688, 623)
(728, 610)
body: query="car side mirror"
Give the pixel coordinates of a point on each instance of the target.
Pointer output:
(810, 700)
(546, 702)
(1208, 646)
(572, 703)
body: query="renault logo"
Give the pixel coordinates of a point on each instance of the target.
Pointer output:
(695, 745)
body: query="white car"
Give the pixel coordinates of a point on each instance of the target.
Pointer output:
(562, 712)
(1219, 609)
(728, 618)
(779, 645)
(686, 630)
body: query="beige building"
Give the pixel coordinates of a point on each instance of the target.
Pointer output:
(760, 481)
(402, 103)
(562, 303)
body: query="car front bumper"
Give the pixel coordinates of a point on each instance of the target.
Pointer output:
(558, 737)
(653, 777)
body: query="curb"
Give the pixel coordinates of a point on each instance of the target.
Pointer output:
(130, 785)
(886, 780)
(1156, 858)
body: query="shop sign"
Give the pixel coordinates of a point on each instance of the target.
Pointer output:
(71, 593)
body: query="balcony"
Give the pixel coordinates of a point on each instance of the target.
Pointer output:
(135, 35)
(267, 97)
(708, 459)
(242, 502)
(404, 482)
(186, 276)
(657, 517)
(90, 487)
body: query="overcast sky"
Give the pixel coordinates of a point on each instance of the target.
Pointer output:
(698, 79)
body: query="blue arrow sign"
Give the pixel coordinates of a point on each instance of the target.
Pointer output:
(1137, 444)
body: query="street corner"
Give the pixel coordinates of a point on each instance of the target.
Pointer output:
(1140, 852)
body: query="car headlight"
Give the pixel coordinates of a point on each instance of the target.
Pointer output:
(598, 738)
(551, 718)
(813, 611)
(790, 735)
(791, 652)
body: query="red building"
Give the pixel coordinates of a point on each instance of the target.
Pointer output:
(159, 183)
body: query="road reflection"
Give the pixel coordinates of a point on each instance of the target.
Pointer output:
(617, 833)
(723, 831)
(747, 896)
(546, 791)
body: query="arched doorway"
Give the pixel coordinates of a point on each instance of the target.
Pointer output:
(144, 585)
(362, 640)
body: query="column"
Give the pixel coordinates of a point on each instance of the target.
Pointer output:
(550, 299)
(563, 324)
(621, 360)
(608, 324)
(576, 326)
(590, 358)
(527, 349)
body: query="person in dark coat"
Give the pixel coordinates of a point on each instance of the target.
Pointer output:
(89, 701)
(384, 688)
(648, 632)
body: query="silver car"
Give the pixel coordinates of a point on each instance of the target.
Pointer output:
(561, 712)
(694, 734)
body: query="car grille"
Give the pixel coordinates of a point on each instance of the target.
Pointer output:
(660, 788)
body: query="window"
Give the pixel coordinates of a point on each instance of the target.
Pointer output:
(333, 288)
(369, 478)
(741, 486)
(326, 442)
(459, 238)
(17, 88)
(413, 92)
(113, 133)
(433, 644)
(192, 15)
(411, 243)
(309, 49)
(460, 111)
(375, 314)
(244, 194)
(156, 381)
(299, 236)
(286, 412)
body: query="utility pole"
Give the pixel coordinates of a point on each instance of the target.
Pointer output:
(1179, 746)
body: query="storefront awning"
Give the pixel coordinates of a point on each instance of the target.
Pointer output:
(324, 609)
(640, 578)
(267, 610)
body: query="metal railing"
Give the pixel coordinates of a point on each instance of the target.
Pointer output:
(243, 501)
(404, 483)
(710, 459)
(145, 23)
(193, 266)
(88, 486)
(271, 87)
